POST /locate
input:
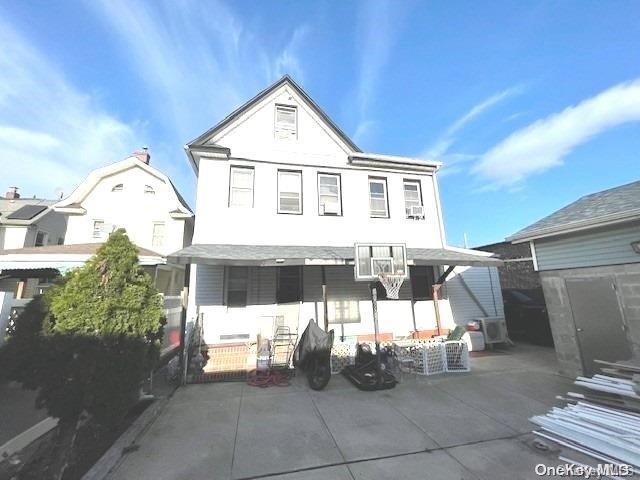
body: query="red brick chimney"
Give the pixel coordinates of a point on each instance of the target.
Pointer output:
(12, 193)
(143, 155)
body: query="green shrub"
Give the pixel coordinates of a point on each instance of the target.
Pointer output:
(88, 343)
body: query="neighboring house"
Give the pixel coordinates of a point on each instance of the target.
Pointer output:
(29, 222)
(129, 194)
(282, 197)
(588, 256)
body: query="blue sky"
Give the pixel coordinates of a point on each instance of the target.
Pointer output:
(529, 104)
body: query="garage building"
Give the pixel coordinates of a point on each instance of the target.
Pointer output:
(588, 256)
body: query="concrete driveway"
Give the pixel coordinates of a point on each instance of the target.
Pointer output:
(455, 426)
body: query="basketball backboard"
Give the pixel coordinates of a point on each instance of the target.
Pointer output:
(372, 259)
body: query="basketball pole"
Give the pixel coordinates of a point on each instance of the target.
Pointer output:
(374, 304)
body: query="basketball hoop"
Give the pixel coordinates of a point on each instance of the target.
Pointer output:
(391, 283)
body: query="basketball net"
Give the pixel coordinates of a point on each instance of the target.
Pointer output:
(391, 283)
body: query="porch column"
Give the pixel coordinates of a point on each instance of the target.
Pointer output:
(325, 308)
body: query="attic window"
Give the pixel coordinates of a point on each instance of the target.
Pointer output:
(286, 121)
(118, 188)
(148, 189)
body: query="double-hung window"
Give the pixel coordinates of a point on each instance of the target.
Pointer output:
(378, 205)
(329, 194)
(413, 199)
(241, 187)
(98, 228)
(237, 286)
(157, 237)
(289, 191)
(286, 121)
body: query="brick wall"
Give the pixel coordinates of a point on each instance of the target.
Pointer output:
(517, 271)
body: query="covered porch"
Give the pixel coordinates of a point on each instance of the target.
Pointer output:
(241, 293)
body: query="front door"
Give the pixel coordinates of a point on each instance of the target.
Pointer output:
(598, 320)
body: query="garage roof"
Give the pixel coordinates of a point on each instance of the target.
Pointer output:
(616, 205)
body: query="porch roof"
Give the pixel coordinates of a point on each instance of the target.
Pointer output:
(271, 255)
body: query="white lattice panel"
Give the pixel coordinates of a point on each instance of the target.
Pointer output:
(457, 356)
(342, 354)
(428, 356)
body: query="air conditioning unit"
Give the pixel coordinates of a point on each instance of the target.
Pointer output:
(329, 209)
(416, 211)
(494, 329)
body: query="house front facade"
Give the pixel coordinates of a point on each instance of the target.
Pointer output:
(283, 196)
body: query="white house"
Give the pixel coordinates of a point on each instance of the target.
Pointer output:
(283, 196)
(129, 194)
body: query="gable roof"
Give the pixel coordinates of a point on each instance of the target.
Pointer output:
(615, 205)
(23, 211)
(74, 201)
(285, 80)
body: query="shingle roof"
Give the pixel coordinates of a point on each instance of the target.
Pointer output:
(297, 255)
(8, 207)
(76, 249)
(617, 204)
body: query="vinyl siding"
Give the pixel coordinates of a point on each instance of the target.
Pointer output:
(209, 285)
(604, 247)
(484, 282)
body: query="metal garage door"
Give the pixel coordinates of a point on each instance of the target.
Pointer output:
(598, 321)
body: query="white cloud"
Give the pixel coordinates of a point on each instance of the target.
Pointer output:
(543, 144)
(197, 58)
(441, 146)
(51, 134)
(377, 35)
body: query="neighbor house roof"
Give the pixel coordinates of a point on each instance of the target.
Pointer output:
(23, 211)
(62, 257)
(266, 255)
(616, 205)
(286, 79)
(74, 201)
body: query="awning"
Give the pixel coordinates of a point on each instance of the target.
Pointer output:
(273, 255)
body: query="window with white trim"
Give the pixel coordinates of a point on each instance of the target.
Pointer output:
(289, 191)
(237, 286)
(286, 121)
(241, 187)
(98, 228)
(378, 206)
(157, 236)
(329, 195)
(413, 199)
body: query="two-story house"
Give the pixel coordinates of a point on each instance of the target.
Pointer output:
(129, 194)
(283, 196)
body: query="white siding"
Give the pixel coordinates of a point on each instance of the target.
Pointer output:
(484, 282)
(395, 316)
(15, 237)
(209, 288)
(592, 249)
(132, 209)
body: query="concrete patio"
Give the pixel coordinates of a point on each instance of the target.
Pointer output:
(455, 426)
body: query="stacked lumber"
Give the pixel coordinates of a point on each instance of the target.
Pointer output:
(603, 422)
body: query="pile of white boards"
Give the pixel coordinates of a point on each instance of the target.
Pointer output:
(603, 422)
